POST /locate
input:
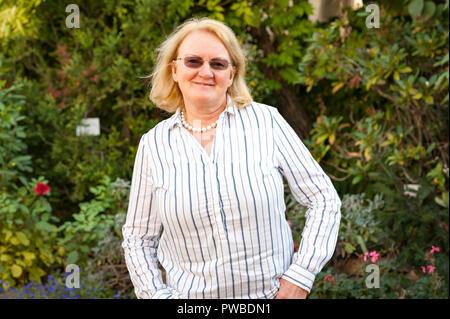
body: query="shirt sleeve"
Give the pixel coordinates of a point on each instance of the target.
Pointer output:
(312, 188)
(141, 232)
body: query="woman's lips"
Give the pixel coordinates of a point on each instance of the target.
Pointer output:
(203, 84)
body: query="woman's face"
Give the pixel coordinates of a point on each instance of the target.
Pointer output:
(203, 85)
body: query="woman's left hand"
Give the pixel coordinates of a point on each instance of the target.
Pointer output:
(290, 291)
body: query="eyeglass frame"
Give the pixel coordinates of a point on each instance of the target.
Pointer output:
(204, 60)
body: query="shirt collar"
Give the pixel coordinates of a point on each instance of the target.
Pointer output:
(175, 119)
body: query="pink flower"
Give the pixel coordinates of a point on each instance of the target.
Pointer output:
(423, 269)
(366, 255)
(374, 256)
(431, 269)
(41, 188)
(433, 249)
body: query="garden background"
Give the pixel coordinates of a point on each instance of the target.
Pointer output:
(371, 104)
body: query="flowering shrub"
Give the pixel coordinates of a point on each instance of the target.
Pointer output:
(359, 225)
(379, 97)
(28, 245)
(27, 227)
(394, 282)
(55, 288)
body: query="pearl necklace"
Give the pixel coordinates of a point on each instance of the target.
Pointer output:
(197, 129)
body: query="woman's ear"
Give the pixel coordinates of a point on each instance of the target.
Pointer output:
(174, 71)
(232, 75)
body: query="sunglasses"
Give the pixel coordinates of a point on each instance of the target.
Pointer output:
(217, 64)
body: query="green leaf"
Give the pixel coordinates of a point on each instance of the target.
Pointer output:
(16, 271)
(429, 99)
(23, 238)
(349, 248)
(429, 9)
(42, 225)
(15, 241)
(405, 69)
(72, 257)
(29, 255)
(36, 273)
(361, 243)
(356, 179)
(415, 8)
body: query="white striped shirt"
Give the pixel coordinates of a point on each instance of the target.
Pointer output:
(217, 222)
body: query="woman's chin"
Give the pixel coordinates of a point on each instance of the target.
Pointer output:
(205, 98)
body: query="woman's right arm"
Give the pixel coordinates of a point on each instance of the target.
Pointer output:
(142, 230)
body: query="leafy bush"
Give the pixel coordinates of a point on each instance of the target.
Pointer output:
(14, 162)
(27, 227)
(359, 223)
(380, 98)
(28, 237)
(359, 227)
(393, 283)
(94, 221)
(387, 131)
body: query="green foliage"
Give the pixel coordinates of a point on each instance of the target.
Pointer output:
(27, 230)
(28, 247)
(288, 25)
(380, 97)
(359, 226)
(94, 221)
(17, 19)
(393, 142)
(14, 162)
(419, 283)
(359, 223)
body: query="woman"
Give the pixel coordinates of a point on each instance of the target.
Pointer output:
(206, 198)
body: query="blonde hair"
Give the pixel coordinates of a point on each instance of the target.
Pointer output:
(165, 92)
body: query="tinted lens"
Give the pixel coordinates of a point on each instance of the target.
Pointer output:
(218, 64)
(193, 62)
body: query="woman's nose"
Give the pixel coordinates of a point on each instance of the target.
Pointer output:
(205, 70)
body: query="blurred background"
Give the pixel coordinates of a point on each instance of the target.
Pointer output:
(364, 84)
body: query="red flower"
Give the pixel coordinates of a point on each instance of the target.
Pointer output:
(41, 188)
(330, 279)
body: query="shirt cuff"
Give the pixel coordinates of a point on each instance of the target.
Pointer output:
(166, 293)
(299, 276)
